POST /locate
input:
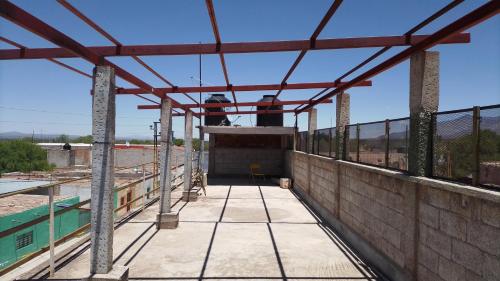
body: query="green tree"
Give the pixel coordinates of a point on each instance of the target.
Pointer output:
(18, 155)
(84, 139)
(178, 142)
(62, 139)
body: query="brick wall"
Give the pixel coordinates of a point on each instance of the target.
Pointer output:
(236, 161)
(424, 229)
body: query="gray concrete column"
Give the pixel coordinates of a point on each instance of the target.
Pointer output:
(166, 218)
(312, 124)
(342, 119)
(103, 178)
(188, 194)
(424, 100)
(211, 154)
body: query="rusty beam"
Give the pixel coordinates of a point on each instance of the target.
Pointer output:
(24, 19)
(218, 41)
(243, 88)
(220, 105)
(471, 19)
(230, 48)
(241, 112)
(326, 18)
(115, 41)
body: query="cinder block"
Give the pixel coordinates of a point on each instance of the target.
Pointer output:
(168, 220)
(485, 237)
(425, 274)
(435, 240)
(117, 273)
(467, 255)
(429, 215)
(436, 197)
(453, 225)
(451, 271)
(491, 267)
(428, 258)
(490, 213)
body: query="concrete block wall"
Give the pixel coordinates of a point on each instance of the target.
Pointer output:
(236, 161)
(411, 228)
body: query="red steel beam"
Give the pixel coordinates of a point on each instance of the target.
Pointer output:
(22, 47)
(231, 48)
(220, 105)
(215, 28)
(242, 112)
(15, 44)
(475, 17)
(326, 18)
(408, 34)
(115, 41)
(243, 88)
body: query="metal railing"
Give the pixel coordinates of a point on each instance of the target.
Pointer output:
(465, 144)
(131, 206)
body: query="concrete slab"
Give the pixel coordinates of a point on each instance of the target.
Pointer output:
(245, 210)
(203, 210)
(176, 252)
(216, 191)
(315, 257)
(288, 210)
(275, 192)
(123, 237)
(244, 192)
(242, 250)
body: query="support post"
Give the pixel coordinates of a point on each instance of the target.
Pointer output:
(189, 194)
(166, 218)
(476, 133)
(342, 120)
(387, 132)
(424, 101)
(312, 118)
(103, 178)
(51, 231)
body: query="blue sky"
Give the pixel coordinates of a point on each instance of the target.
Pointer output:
(41, 96)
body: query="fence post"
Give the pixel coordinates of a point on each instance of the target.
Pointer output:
(476, 133)
(51, 231)
(143, 186)
(387, 128)
(357, 142)
(330, 142)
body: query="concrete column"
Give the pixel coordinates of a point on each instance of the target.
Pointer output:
(312, 124)
(342, 119)
(424, 100)
(166, 217)
(103, 178)
(211, 154)
(188, 194)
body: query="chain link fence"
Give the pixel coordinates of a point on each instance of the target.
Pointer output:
(465, 144)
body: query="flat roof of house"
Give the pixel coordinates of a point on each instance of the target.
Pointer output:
(21, 202)
(238, 130)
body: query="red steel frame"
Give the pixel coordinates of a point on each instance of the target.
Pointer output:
(475, 17)
(96, 55)
(219, 105)
(231, 48)
(243, 88)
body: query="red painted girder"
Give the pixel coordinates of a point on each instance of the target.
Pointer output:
(471, 19)
(26, 20)
(243, 88)
(217, 105)
(241, 112)
(230, 48)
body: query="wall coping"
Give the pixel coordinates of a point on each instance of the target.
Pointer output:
(461, 188)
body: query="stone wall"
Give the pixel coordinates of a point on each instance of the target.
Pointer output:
(411, 228)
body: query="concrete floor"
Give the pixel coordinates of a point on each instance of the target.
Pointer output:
(236, 232)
